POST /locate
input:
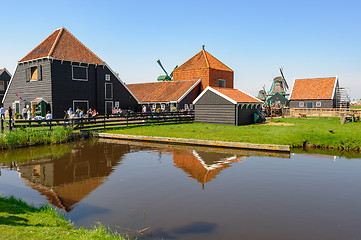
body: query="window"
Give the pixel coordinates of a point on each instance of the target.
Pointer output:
(301, 104)
(33, 73)
(221, 83)
(309, 104)
(191, 106)
(80, 73)
(107, 77)
(318, 104)
(108, 91)
(186, 107)
(116, 104)
(2, 85)
(162, 106)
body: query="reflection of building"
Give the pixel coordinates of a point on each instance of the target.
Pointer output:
(68, 179)
(201, 165)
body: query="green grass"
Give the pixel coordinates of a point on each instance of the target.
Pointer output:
(285, 131)
(355, 107)
(18, 220)
(29, 137)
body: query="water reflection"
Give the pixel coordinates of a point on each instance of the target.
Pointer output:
(66, 179)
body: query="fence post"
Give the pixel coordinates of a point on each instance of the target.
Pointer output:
(2, 125)
(50, 125)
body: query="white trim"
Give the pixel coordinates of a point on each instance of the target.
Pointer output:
(105, 107)
(334, 88)
(7, 89)
(72, 73)
(111, 70)
(294, 81)
(189, 90)
(107, 77)
(105, 91)
(318, 104)
(87, 101)
(301, 104)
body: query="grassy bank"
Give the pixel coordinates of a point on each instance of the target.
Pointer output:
(30, 137)
(21, 221)
(285, 131)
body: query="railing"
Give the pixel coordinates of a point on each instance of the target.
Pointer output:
(105, 122)
(322, 112)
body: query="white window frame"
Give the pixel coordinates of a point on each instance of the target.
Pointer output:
(318, 104)
(72, 73)
(87, 104)
(116, 104)
(301, 104)
(191, 106)
(111, 91)
(186, 106)
(107, 77)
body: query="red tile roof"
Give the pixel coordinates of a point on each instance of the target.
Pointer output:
(61, 44)
(313, 88)
(237, 95)
(203, 60)
(161, 91)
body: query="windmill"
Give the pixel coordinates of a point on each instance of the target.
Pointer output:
(279, 85)
(166, 77)
(285, 85)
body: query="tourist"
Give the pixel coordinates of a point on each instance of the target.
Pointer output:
(95, 113)
(10, 111)
(144, 109)
(48, 116)
(2, 113)
(25, 113)
(29, 113)
(70, 112)
(81, 113)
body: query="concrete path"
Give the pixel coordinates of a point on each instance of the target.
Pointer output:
(197, 142)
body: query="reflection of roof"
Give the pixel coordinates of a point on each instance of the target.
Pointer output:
(65, 196)
(61, 44)
(313, 88)
(162, 91)
(231, 94)
(203, 166)
(203, 60)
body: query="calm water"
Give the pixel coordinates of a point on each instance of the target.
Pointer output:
(190, 193)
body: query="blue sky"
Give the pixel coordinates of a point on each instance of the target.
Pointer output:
(254, 38)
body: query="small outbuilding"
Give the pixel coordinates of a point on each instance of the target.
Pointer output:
(277, 100)
(5, 77)
(226, 106)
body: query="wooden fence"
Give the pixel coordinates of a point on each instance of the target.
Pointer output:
(321, 112)
(104, 122)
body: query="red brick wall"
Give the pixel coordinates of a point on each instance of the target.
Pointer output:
(215, 75)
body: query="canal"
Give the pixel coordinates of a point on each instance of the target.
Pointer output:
(176, 192)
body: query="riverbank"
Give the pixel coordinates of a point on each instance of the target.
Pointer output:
(296, 132)
(18, 220)
(32, 137)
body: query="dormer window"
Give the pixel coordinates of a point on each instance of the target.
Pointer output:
(80, 73)
(221, 83)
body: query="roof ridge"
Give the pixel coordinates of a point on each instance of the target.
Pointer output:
(205, 56)
(83, 45)
(56, 41)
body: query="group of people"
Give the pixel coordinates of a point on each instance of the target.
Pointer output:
(79, 113)
(117, 110)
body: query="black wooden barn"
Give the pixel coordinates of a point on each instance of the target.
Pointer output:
(5, 77)
(277, 100)
(226, 106)
(66, 74)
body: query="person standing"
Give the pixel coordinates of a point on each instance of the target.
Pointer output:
(10, 111)
(2, 113)
(25, 113)
(49, 116)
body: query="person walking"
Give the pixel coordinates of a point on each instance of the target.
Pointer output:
(10, 111)
(2, 113)
(25, 113)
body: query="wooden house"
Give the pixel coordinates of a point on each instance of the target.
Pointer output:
(315, 93)
(277, 100)
(66, 74)
(209, 69)
(5, 77)
(168, 95)
(226, 106)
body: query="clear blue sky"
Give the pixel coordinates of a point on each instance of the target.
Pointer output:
(254, 38)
